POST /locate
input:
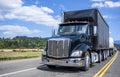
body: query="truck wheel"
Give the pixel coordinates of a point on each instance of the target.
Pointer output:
(86, 62)
(51, 66)
(103, 56)
(106, 55)
(91, 60)
(109, 53)
(112, 52)
(99, 57)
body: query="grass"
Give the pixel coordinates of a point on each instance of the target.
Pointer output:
(19, 54)
(19, 50)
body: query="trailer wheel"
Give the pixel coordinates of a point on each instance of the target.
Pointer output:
(86, 62)
(110, 53)
(99, 57)
(103, 56)
(51, 66)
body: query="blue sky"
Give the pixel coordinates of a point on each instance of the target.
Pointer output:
(36, 18)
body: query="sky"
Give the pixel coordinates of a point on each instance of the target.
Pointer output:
(36, 18)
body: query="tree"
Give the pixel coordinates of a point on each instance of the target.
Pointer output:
(23, 42)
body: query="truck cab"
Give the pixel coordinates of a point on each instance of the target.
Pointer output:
(68, 47)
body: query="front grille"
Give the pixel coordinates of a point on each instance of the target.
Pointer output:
(58, 48)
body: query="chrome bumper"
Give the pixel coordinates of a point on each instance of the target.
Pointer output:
(72, 62)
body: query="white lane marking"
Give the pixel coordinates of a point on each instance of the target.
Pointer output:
(6, 74)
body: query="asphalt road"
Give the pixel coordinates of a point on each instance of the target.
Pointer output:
(114, 70)
(34, 68)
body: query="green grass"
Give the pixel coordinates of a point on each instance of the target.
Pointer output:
(18, 55)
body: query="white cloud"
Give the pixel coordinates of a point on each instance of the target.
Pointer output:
(14, 9)
(107, 16)
(47, 10)
(107, 4)
(100, 4)
(14, 30)
(112, 4)
(10, 4)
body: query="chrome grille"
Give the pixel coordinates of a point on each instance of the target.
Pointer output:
(58, 48)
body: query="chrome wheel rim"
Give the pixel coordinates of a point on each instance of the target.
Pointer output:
(87, 61)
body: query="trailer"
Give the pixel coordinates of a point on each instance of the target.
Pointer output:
(82, 39)
(111, 46)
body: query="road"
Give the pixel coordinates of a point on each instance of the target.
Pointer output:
(34, 68)
(114, 70)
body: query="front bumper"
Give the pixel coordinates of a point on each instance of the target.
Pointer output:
(71, 62)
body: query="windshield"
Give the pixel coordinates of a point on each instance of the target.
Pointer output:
(72, 29)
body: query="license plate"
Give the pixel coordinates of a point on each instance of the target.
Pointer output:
(54, 60)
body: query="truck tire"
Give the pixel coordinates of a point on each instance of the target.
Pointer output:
(112, 52)
(91, 60)
(106, 55)
(86, 62)
(51, 66)
(103, 56)
(109, 53)
(99, 57)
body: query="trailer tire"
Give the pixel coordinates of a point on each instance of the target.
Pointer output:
(103, 56)
(99, 57)
(110, 54)
(86, 62)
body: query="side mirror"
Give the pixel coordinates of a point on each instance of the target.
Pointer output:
(95, 30)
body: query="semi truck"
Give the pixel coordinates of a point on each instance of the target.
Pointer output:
(82, 39)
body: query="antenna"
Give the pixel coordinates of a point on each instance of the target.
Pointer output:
(62, 15)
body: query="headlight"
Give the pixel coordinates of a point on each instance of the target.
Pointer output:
(76, 54)
(44, 52)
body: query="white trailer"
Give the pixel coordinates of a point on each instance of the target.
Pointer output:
(111, 46)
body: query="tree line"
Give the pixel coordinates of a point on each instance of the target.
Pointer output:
(117, 46)
(26, 42)
(22, 42)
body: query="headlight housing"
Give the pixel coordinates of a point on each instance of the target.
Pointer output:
(76, 53)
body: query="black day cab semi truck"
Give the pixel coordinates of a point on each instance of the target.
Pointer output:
(82, 39)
